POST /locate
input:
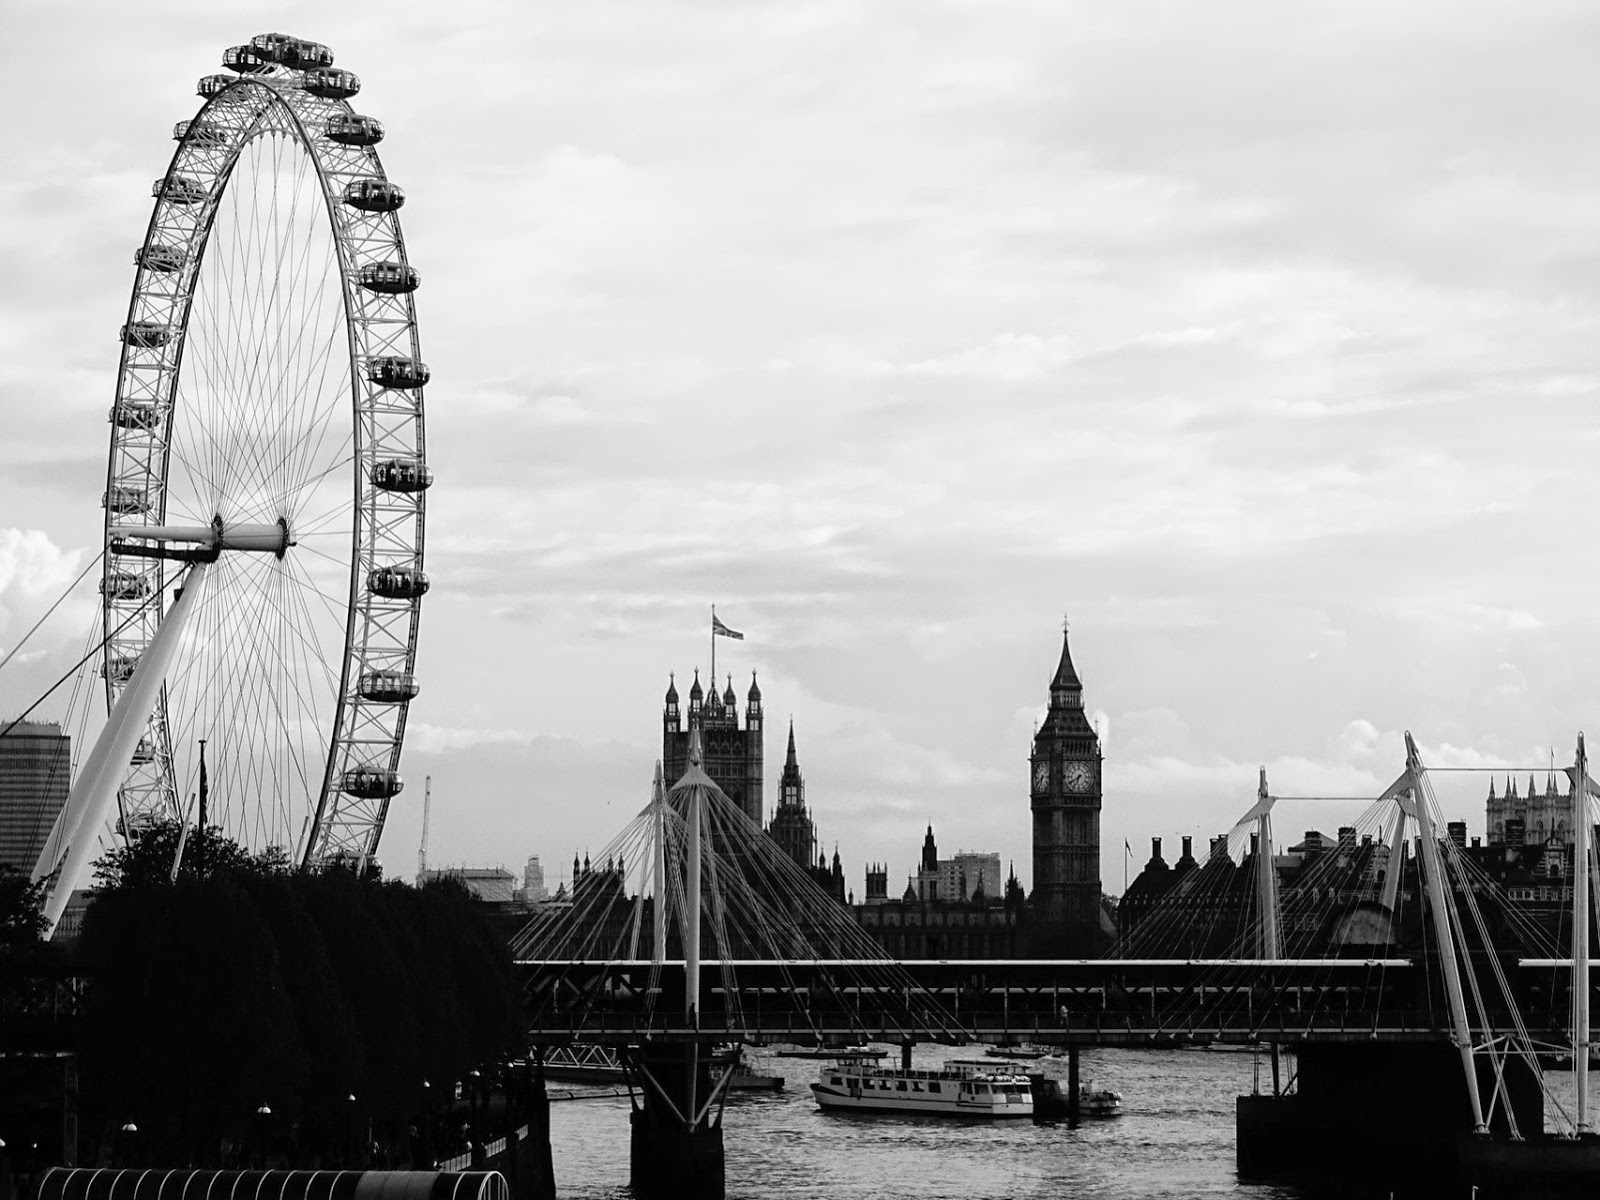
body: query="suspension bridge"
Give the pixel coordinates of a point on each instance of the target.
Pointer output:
(1400, 952)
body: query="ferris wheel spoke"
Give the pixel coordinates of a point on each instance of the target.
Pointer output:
(324, 525)
(320, 654)
(343, 456)
(336, 608)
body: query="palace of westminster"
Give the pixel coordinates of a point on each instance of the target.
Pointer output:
(951, 908)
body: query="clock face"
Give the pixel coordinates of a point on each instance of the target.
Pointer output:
(1078, 776)
(1041, 776)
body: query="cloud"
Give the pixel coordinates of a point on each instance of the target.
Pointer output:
(1243, 334)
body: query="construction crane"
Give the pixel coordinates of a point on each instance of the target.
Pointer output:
(422, 849)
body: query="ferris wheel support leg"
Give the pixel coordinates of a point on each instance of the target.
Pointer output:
(103, 771)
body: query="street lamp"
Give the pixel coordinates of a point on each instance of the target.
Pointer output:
(350, 1127)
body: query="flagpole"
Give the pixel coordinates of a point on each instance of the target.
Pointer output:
(713, 647)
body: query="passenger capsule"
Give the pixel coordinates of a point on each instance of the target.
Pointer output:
(373, 195)
(331, 83)
(401, 475)
(352, 129)
(291, 51)
(159, 256)
(210, 85)
(390, 278)
(125, 499)
(120, 668)
(397, 583)
(179, 189)
(125, 585)
(200, 133)
(396, 372)
(245, 60)
(389, 687)
(370, 783)
(132, 414)
(146, 334)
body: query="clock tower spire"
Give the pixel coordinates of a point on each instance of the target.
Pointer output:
(1065, 799)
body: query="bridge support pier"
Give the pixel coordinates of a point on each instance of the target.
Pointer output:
(1402, 1105)
(676, 1125)
(1074, 1093)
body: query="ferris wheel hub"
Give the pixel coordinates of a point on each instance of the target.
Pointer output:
(206, 541)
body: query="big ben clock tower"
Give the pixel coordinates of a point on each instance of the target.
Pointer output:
(1066, 820)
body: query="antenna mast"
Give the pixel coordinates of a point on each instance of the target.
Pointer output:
(422, 849)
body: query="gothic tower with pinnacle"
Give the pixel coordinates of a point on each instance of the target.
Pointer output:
(1065, 774)
(792, 827)
(731, 755)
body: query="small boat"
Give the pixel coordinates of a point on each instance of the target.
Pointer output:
(748, 1077)
(861, 1051)
(957, 1089)
(1051, 1102)
(1016, 1052)
(581, 1062)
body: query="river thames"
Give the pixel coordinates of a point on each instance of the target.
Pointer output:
(1174, 1139)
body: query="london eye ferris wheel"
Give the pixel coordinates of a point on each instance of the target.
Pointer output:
(267, 441)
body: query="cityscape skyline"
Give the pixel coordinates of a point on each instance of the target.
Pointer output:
(895, 337)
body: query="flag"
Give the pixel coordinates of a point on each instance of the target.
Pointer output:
(719, 629)
(1126, 849)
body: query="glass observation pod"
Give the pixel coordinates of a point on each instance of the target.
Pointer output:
(120, 669)
(179, 189)
(125, 585)
(397, 583)
(291, 51)
(389, 687)
(389, 277)
(370, 783)
(200, 133)
(401, 475)
(210, 85)
(131, 414)
(373, 195)
(123, 498)
(146, 334)
(353, 129)
(397, 372)
(160, 257)
(245, 60)
(331, 83)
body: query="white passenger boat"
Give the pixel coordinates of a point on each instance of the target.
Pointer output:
(957, 1089)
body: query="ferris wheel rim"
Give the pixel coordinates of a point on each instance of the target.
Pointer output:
(363, 749)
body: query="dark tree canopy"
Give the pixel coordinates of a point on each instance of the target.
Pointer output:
(21, 912)
(242, 985)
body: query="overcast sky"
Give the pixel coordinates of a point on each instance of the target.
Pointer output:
(1259, 338)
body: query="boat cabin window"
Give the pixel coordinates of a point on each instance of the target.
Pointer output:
(916, 1087)
(933, 1086)
(901, 1086)
(836, 1081)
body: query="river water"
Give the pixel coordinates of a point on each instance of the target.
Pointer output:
(1175, 1138)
